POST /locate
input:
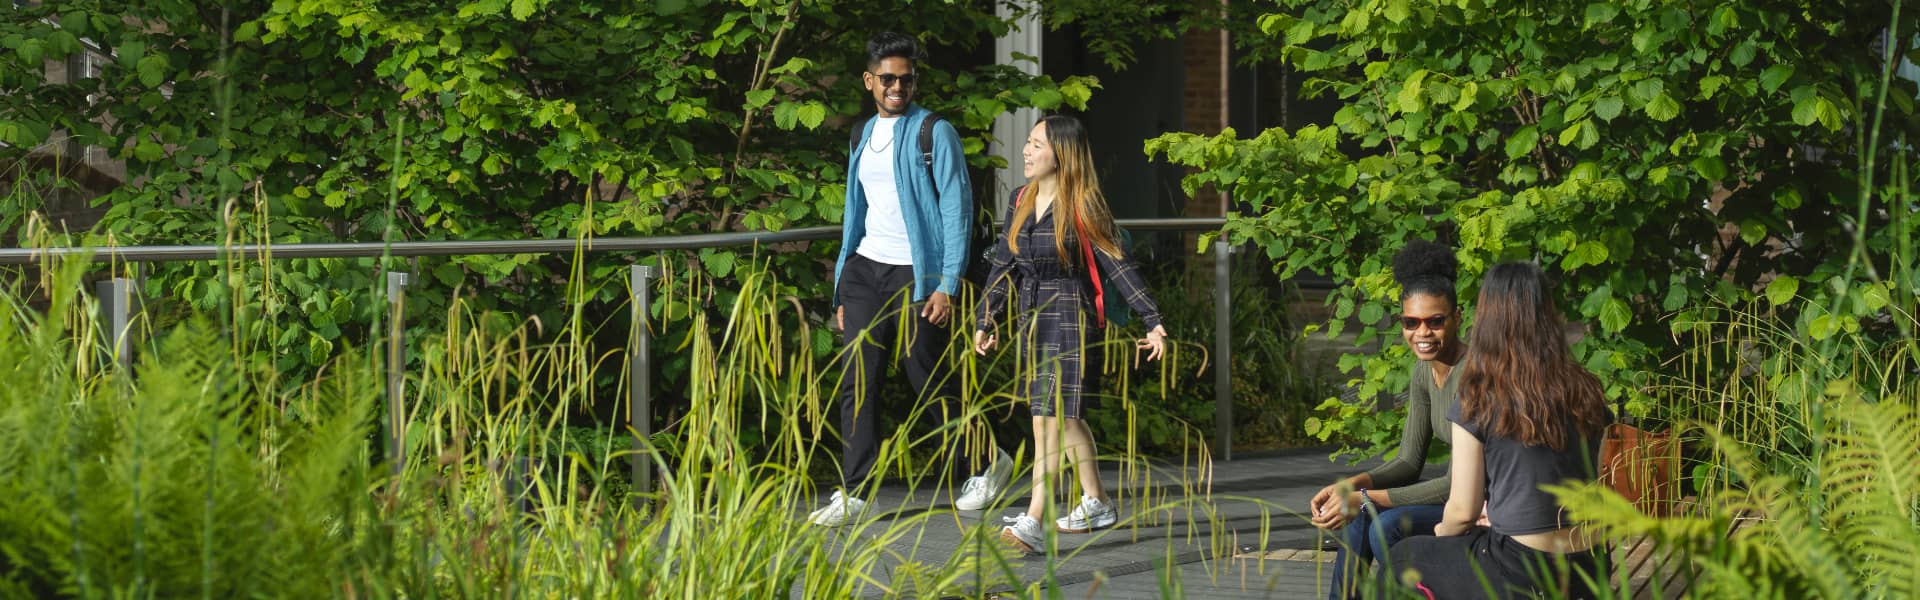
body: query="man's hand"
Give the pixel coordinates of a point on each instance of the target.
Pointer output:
(937, 309)
(840, 318)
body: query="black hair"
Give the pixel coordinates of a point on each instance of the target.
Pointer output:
(887, 44)
(1425, 267)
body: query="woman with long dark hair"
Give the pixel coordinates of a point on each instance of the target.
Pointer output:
(1375, 509)
(1060, 243)
(1528, 416)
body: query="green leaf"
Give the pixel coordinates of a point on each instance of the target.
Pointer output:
(1047, 99)
(1823, 327)
(812, 114)
(1397, 11)
(1743, 53)
(1775, 76)
(1572, 133)
(1522, 142)
(523, 9)
(148, 151)
(1782, 290)
(1828, 114)
(1589, 135)
(1787, 198)
(1371, 313)
(1806, 110)
(1615, 315)
(1587, 253)
(1374, 70)
(1876, 297)
(1596, 300)
(1468, 93)
(786, 115)
(1676, 296)
(1709, 167)
(718, 263)
(1600, 13)
(1646, 90)
(449, 274)
(1752, 232)
(759, 98)
(153, 70)
(1663, 107)
(1711, 85)
(1608, 107)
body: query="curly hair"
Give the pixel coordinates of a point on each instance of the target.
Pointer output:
(1425, 267)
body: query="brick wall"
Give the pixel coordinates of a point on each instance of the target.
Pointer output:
(1205, 102)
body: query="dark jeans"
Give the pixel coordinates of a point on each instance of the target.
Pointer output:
(1368, 537)
(1471, 565)
(875, 295)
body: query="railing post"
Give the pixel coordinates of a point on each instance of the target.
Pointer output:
(396, 369)
(1222, 352)
(116, 302)
(640, 388)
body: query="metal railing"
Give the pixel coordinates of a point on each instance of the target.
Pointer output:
(117, 297)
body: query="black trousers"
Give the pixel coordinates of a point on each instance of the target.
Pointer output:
(1469, 565)
(882, 322)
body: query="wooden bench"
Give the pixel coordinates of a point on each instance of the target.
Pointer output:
(1653, 572)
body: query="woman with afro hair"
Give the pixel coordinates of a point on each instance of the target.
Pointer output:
(1376, 509)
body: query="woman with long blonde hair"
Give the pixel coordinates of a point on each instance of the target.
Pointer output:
(1059, 246)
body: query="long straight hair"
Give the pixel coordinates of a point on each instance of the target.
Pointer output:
(1519, 380)
(1081, 207)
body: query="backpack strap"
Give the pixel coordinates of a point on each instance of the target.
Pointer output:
(926, 143)
(1086, 254)
(853, 136)
(926, 139)
(1093, 274)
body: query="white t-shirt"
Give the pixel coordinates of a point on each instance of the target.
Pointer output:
(886, 239)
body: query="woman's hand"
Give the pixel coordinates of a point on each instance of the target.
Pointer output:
(1156, 341)
(1448, 528)
(1331, 507)
(983, 341)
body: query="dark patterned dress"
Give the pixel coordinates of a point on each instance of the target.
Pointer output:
(1055, 313)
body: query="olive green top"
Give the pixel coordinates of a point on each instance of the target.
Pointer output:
(1427, 406)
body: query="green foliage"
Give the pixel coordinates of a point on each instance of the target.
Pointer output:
(1845, 530)
(1271, 390)
(319, 121)
(1615, 144)
(205, 473)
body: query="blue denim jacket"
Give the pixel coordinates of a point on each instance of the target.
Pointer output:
(939, 212)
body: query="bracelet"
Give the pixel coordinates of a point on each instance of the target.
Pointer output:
(1367, 501)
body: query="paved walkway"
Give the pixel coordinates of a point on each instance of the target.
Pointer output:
(1211, 534)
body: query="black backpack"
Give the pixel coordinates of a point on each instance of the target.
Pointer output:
(983, 229)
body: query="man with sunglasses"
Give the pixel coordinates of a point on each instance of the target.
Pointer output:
(908, 217)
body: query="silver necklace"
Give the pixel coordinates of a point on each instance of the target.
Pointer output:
(882, 148)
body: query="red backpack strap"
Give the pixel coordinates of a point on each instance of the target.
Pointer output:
(1093, 274)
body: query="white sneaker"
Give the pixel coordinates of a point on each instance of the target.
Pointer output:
(981, 490)
(843, 509)
(1091, 514)
(1024, 535)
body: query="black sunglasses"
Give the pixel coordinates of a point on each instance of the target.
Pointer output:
(1413, 323)
(888, 79)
